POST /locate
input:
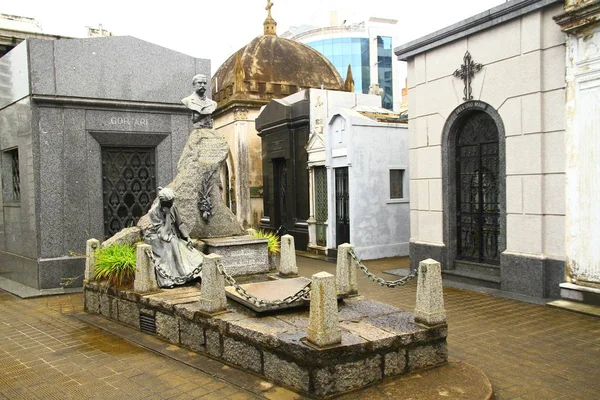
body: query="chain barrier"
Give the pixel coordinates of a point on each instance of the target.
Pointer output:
(391, 284)
(165, 274)
(302, 294)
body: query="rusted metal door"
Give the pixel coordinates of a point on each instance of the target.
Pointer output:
(478, 210)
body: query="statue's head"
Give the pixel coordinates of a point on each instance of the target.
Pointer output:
(166, 196)
(199, 82)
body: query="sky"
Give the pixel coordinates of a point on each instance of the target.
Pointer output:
(216, 29)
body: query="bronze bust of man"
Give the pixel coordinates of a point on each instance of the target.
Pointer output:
(202, 107)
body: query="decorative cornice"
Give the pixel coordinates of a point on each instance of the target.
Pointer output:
(497, 15)
(102, 103)
(579, 17)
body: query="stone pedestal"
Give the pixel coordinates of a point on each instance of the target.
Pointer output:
(91, 247)
(287, 262)
(345, 271)
(212, 291)
(429, 309)
(323, 328)
(242, 255)
(145, 278)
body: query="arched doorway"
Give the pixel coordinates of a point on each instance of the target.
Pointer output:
(477, 191)
(474, 186)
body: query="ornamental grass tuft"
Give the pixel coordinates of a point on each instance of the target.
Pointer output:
(116, 264)
(273, 244)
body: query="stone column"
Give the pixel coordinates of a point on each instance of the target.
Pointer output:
(91, 247)
(323, 328)
(429, 309)
(212, 290)
(287, 262)
(145, 277)
(345, 271)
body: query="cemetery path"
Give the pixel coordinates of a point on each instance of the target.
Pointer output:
(528, 351)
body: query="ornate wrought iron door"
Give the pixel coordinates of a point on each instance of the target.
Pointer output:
(342, 208)
(478, 210)
(321, 204)
(129, 186)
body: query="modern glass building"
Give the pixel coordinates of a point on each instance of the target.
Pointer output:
(366, 47)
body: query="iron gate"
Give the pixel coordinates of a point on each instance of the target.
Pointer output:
(129, 186)
(321, 205)
(478, 215)
(342, 209)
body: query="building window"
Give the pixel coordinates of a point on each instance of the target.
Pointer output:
(384, 66)
(11, 179)
(396, 183)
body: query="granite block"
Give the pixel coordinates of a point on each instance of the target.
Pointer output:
(180, 131)
(191, 335)
(360, 307)
(394, 363)
(93, 189)
(263, 331)
(41, 58)
(427, 356)
(429, 308)
(52, 271)
(213, 343)
(110, 68)
(379, 338)
(105, 123)
(108, 306)
(51, 132)
(92, 302)
(554, 275)
(167, 326)
(522, 274)
(420, 251)
(15, 64)
(242, 255)
(347, 376)
(345, 271)
(128, 313)
(19, 269)
(323, 328)
(287, 261)
(164, 158)
(285, 372)
(242, 354)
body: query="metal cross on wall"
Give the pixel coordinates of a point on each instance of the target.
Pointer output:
(466, 72)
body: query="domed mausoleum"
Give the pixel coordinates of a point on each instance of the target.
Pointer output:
(269, 67)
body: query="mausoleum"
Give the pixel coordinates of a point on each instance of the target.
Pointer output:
(89, 129)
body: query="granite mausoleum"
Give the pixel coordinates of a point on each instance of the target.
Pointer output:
(89, 129)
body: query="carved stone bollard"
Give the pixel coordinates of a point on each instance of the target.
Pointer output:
(287, 262)
(91, 248)
(323, 328)
(212, 290)
(429, 309)
(145, 277)
(345, 271)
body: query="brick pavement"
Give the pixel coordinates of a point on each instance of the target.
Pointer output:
(528, 351)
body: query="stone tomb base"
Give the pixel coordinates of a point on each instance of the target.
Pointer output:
(242, 255)
(378, 340)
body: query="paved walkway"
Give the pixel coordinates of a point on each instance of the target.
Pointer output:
(528, 351)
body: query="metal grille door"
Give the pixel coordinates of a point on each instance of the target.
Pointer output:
(321, 204)
(342, 208)
(478, 190)
(129, 186)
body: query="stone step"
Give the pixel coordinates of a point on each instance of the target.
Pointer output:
(582, 294)
(477, 268)
(472, 278)
(576, 306)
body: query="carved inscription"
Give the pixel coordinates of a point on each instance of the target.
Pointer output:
(276, 145)
(129, 121)
(472, 104)
(213, 149)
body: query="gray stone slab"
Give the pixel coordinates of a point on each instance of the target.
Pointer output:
(191, 335)
(427, 356)
(128, 313)
(91, 302)
(41, 59)
(347, 376)
(270, 291)
(394, 363)
(263, 331)
(213, 343)
(286, 372)
(360, 307)
(108, 306)
(167, 326)
(52, 271)
(242, 354)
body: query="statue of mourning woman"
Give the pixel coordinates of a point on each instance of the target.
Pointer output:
(176, 261)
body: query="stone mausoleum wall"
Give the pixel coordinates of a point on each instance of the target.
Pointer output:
(64, 101)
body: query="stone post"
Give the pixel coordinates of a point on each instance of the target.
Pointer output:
(212, 290)
(145, 277)
(323, 328)
(287, 261)
(345, 271)
(91, 247)
(250, 231)
(429, 309)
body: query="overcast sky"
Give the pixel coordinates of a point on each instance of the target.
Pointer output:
(215, 29)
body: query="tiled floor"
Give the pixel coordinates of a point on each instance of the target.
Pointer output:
(528, 351)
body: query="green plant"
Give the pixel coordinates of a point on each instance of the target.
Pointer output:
(116, 264)
(273, 244)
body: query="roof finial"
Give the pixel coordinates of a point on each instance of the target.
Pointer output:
(270, 24)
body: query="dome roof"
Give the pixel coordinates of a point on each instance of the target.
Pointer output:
(271, 67)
